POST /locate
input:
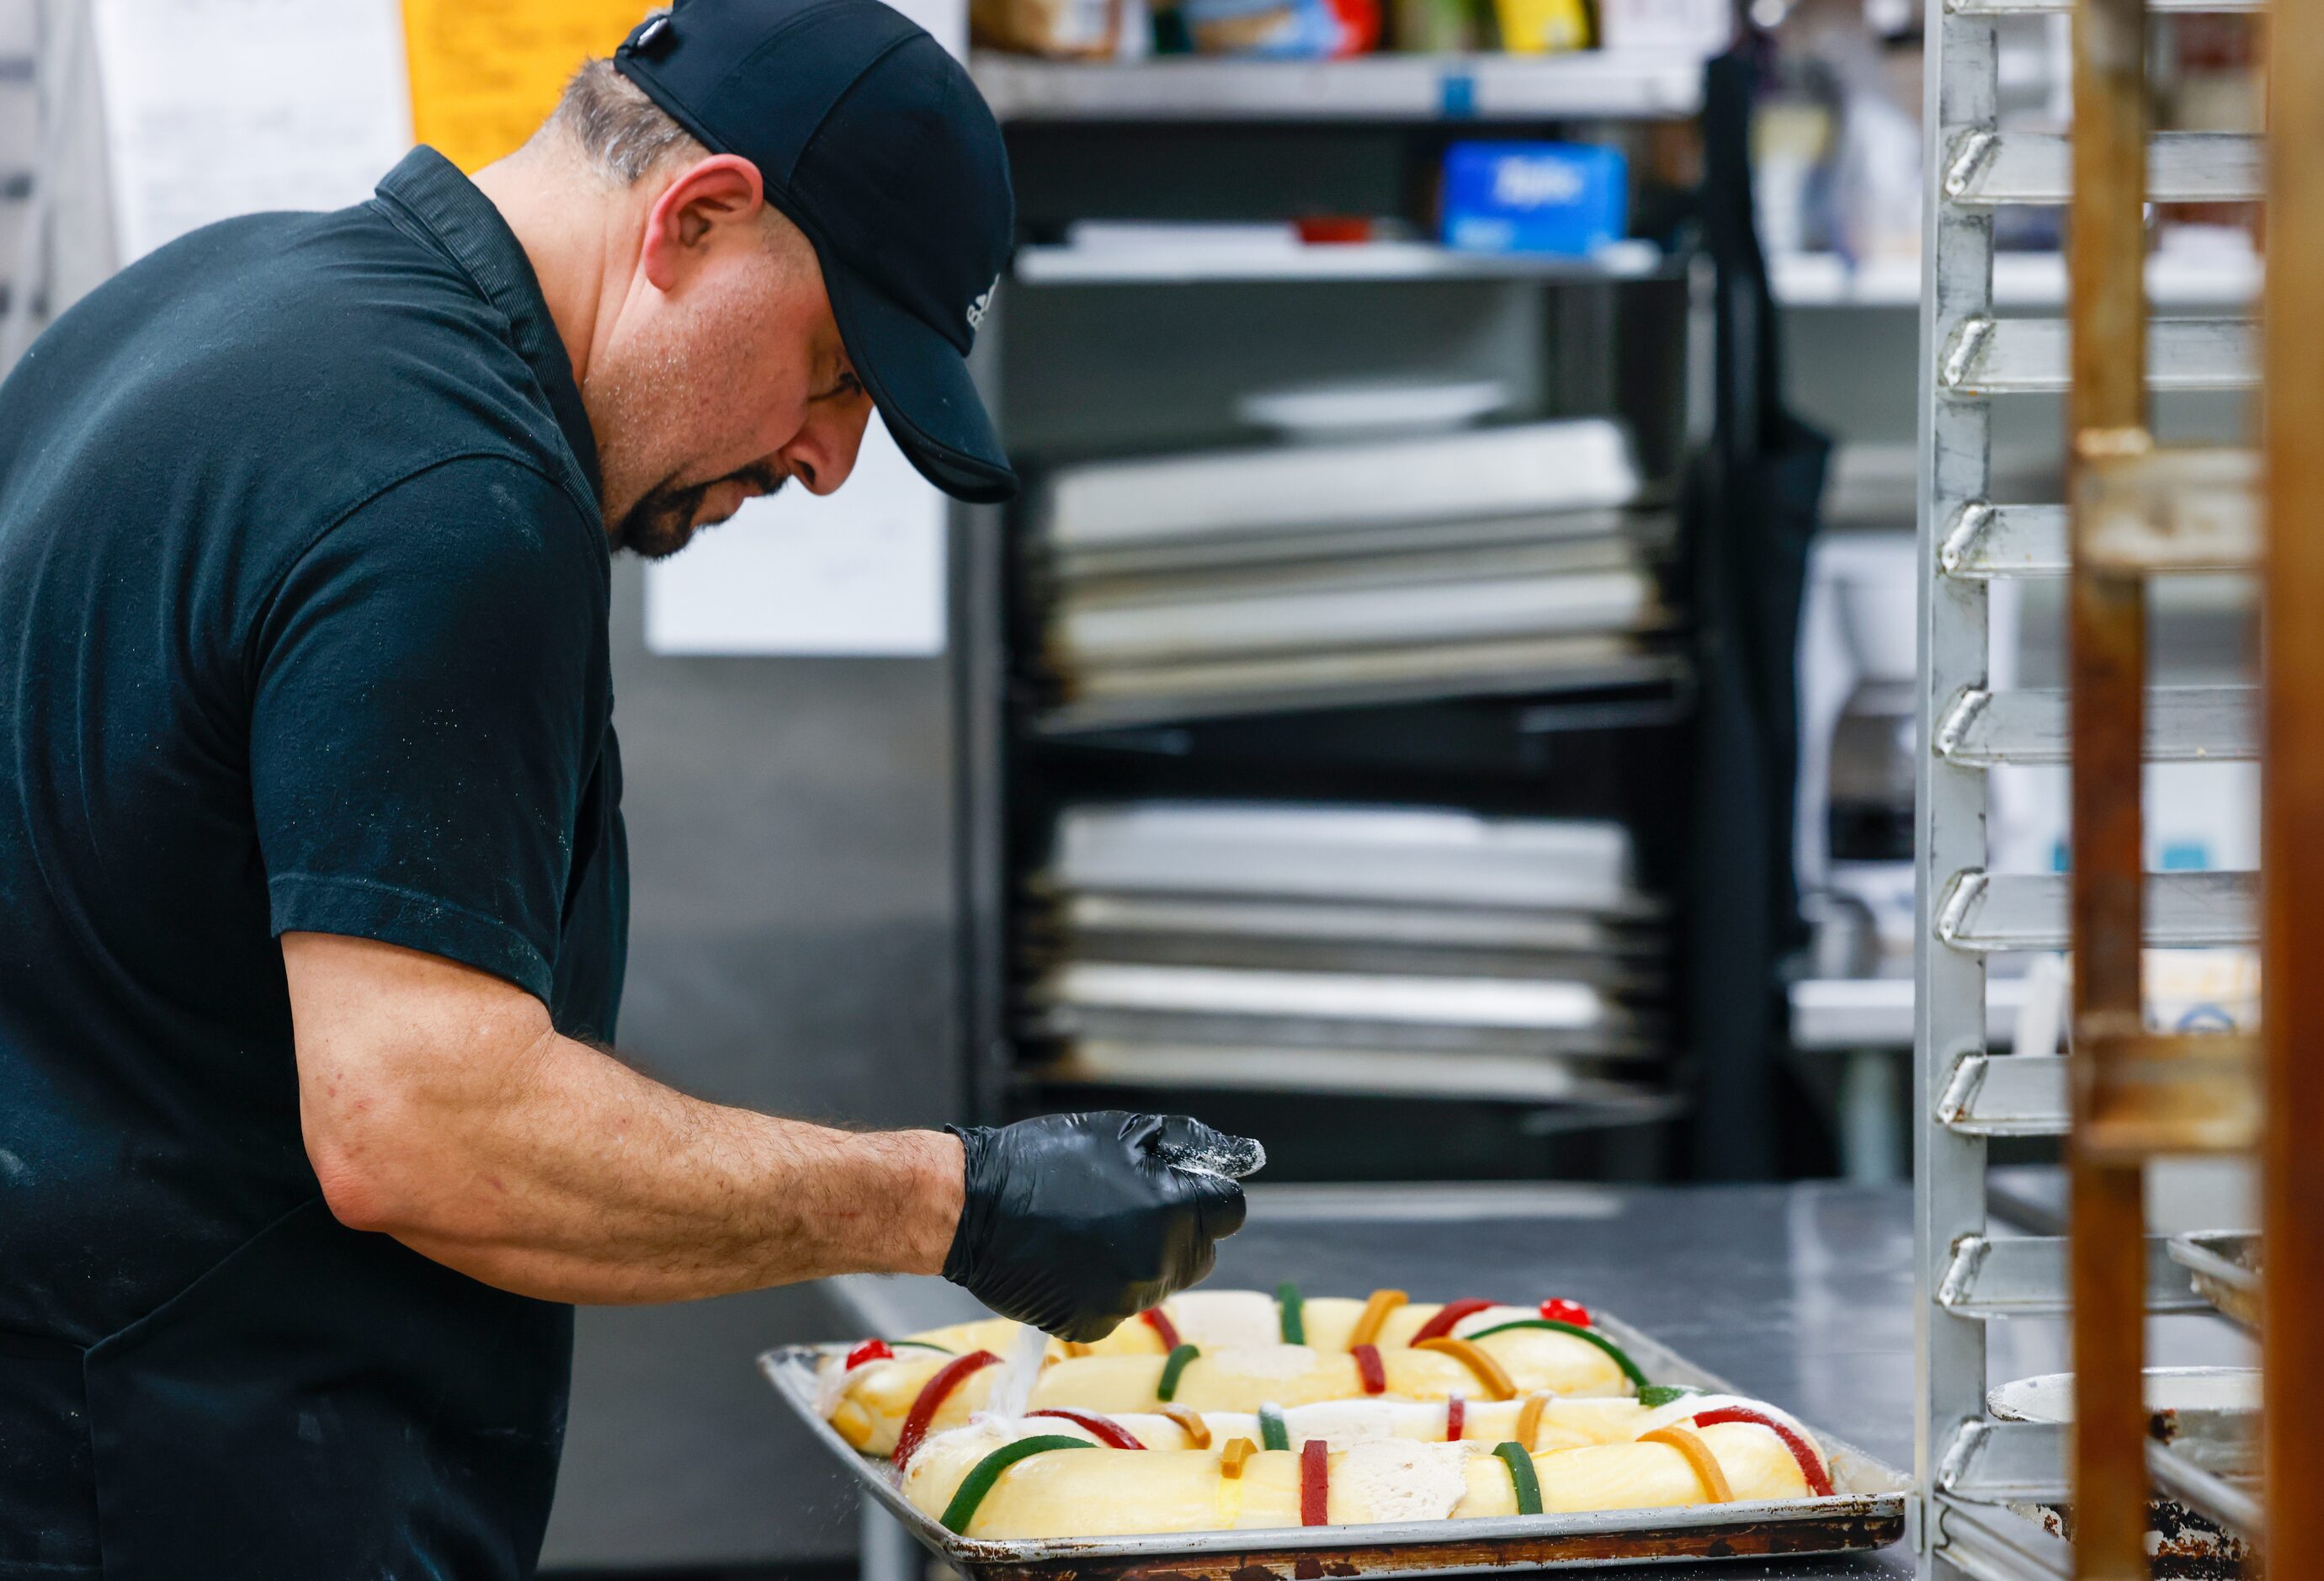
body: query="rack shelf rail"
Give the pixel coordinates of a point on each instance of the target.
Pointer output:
(2122, 1096)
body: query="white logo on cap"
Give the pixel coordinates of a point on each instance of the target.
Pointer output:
(982, 306)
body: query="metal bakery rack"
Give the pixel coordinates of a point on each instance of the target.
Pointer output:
(2123, 1094)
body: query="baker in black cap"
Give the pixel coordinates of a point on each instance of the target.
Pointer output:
(313, 891)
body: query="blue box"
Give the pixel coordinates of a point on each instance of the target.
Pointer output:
(1569, 199)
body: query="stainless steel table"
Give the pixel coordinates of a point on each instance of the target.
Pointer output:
(1801, 1294)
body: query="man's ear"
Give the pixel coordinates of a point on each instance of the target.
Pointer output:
(718, 191)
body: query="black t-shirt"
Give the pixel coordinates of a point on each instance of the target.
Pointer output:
(303, 596)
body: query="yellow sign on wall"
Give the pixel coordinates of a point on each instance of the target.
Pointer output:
(485, 72)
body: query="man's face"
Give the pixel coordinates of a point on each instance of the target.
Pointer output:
(727, 381)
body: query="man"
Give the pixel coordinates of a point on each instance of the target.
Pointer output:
(312, 886)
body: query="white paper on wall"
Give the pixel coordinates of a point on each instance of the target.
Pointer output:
(946, 20)
(858, 572)
(219, 107)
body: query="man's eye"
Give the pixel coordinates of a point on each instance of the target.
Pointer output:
(847, 389)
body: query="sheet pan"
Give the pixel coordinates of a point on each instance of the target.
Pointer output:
(2223, 1267)
(1866, 1511)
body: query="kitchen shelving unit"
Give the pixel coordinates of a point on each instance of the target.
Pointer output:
(2020, 280)
(1633, 332)
(2121, 1096)
(1359, 260)
(1591, 85)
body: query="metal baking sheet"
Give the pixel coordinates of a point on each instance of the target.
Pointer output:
(2049, 1397)
(1117, 697)
(1444, 1011)
(1237, 920)
(1650, 531)
(1368, 1072)
(1412, 567)
(1489, 606)
(1050, 941)
(2224, 1266)
(1867, 1511)
(1320, 852)
(1633, 1039)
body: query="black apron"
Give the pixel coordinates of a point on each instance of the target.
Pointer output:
(296, 1415)
(1754, 502)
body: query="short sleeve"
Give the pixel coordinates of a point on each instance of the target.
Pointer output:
(431, 693)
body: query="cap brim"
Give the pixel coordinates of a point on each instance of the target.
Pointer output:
(920, 381)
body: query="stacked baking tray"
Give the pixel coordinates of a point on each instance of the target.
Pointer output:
(1510, 560)
(1377, 950)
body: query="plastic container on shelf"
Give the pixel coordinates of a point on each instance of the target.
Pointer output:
(1299, 29)
(1542, 27)
(1567, 199)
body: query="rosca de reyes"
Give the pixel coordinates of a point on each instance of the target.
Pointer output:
(1058, 1476)
(874, 1395)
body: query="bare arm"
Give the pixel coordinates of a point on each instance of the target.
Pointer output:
(440, 1106)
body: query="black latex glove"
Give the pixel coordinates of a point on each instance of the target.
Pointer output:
(1075, 1221)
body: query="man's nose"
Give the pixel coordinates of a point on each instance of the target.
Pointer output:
(824, 453)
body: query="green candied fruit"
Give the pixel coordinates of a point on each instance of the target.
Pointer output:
(979, 1481)
(1168, 1390)
(1295, 1313)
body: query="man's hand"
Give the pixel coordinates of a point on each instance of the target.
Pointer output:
(441, 1107)
(1075, 1221)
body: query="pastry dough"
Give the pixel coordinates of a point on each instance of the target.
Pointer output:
(1115, 1493)
(1231, 1321)
(868, 1406)
(1394, 1424)
(1559, 1423)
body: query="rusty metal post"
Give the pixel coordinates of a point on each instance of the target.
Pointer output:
(2107, 634)
(2292, 585)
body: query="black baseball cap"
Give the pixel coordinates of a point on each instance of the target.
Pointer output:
(871, 139)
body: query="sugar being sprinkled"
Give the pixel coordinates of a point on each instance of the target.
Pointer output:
(1020, 1369)
(1233, 1158)
(1228, 1157)
(831, 1377)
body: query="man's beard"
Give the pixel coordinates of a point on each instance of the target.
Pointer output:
(662, 521)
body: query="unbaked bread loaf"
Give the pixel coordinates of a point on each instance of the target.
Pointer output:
(1097, 1492)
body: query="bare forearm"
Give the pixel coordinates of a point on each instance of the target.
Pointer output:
(601, 1185)
(439, 1107)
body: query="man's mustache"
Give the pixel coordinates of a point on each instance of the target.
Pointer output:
(764, 477)
(663, 522)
